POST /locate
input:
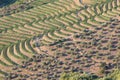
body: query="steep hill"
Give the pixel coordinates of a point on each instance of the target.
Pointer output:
(82, 35)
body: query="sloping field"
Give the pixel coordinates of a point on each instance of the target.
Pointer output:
(24, 34)
(92, 51)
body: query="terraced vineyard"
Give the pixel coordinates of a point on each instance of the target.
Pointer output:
(38, 30)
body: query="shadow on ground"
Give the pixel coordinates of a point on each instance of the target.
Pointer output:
(6, 2)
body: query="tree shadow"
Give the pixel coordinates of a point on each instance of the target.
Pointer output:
(6, 2)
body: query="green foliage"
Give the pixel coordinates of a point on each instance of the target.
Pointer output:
(115, 75)
(76, 76)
